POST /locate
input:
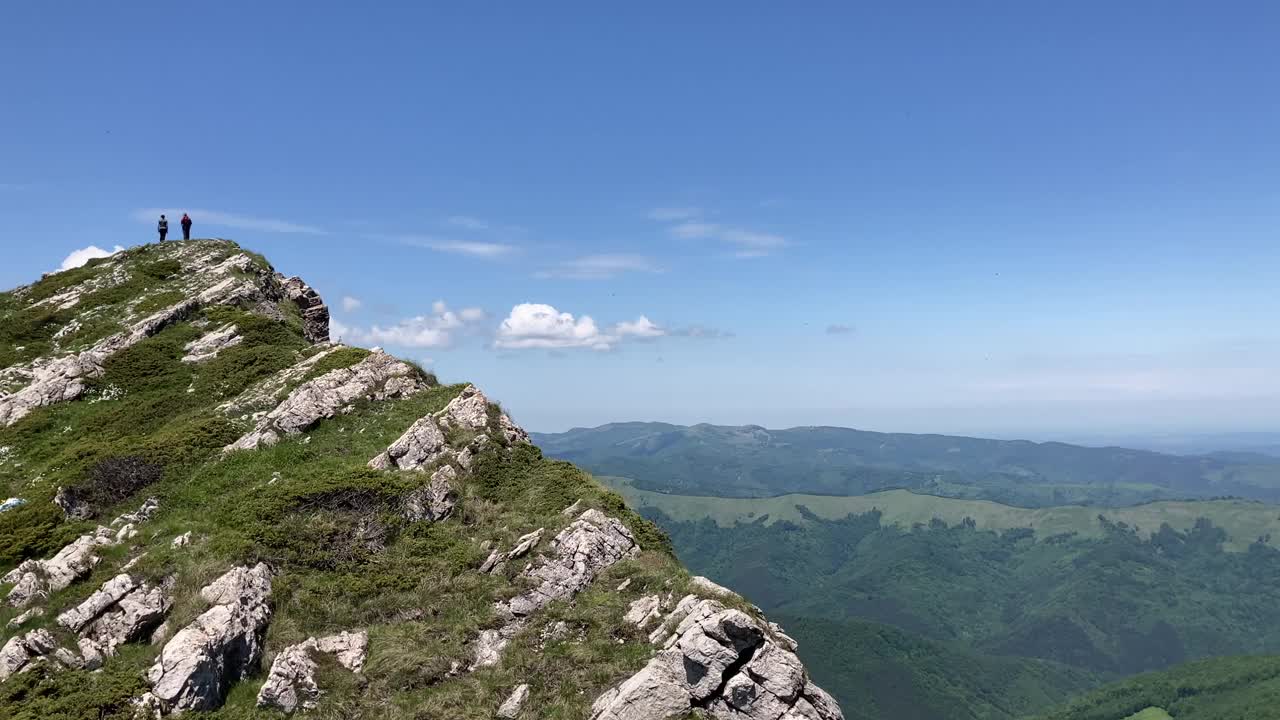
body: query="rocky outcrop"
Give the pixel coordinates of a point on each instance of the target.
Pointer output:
(21, 650)
(510, 708)
(291, 684)
(315, 314)
(589, 545)
(434, 501)
(220, 647)
(724, 663)
(63, 379)
(35, 579)
(264, 394)
(426, 443)
(378, 376)
(210, 344)
(123, 610)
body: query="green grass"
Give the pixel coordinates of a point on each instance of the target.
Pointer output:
(1245, 521)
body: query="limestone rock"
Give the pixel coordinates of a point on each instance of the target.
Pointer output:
(420, 446)
(291, 685)
(130, 619)
(724, 663)
(434, 501)
(331, 393)
(644, 611)
(350, 648)
(36, 578)
(315, 314)
(221, 646)
(144, 513)
(182, 540)
(526, 543)
(210, 344)
(425, 444)
(21, 650)
(22, 619)
(111, 592)
(510, 708)
(589, 545)
(702, 584)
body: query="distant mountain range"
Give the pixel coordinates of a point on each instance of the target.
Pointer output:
(752, 461)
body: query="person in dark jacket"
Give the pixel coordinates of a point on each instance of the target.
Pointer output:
(163, 227)
(186, 227)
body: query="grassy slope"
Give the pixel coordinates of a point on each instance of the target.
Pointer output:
(328, 525)
(1233, 688)
(1243, 520)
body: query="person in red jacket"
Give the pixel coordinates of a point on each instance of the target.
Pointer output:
(186, 227)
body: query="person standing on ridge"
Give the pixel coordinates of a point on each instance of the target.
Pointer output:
(163, 227)
(186, 227)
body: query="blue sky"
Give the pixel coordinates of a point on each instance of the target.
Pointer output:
(1019, 219)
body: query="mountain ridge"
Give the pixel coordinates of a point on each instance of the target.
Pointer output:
(749, 461)
(302, 525)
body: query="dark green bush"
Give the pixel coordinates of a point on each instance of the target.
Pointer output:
(114, 480)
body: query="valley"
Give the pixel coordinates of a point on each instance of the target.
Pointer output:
(969, 578)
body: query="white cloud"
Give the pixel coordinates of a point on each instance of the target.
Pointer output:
(422, 331)
(839, 329)
(540, 326)
(642, 327)
(669, 214)
(486, 250)
(217, 218)
(600, 267)
(467, 222)
(350, 304)
(84, 255)
(750, 244)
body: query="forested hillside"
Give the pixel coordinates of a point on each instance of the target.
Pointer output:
(895, 675)
(1116, 604)
(750, 461)
(1230, 688)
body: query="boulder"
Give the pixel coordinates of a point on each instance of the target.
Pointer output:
(510, 708)
(18, 653)
(220, 647)
(419, 447)
(291, 684)
(644, 611)
(37, 578)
